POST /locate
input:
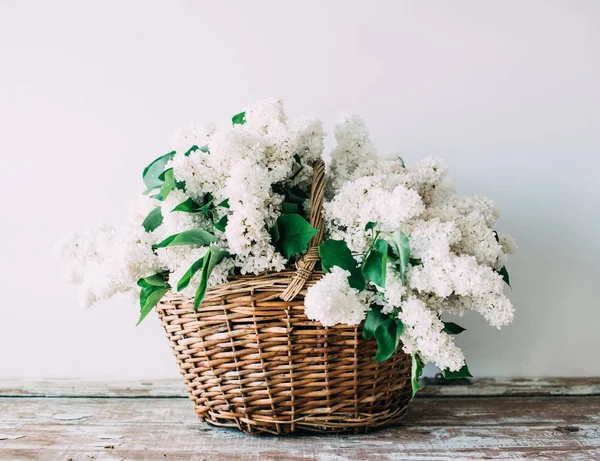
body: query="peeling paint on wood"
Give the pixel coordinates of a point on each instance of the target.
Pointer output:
(173, 388)
(488, 419)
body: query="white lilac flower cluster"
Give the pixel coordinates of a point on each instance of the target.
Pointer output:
(456, 257)
(455, 254)
(239, 163)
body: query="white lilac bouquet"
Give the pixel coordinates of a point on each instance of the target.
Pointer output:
(401, 248)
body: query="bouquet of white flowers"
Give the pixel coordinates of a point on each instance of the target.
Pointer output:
(400, 247)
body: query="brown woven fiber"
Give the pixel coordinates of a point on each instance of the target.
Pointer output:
(251, 358)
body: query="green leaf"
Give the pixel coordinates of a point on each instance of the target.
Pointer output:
(152, 171)
(156, 280)
(415, 262)
(153, 220)
(153, 289)
(287, 207)
(388, 337)
(184, 281)
(462, 373)
(294, 232)
(417, 370)
(149, 297)
(504, 273)
(372, 322)
(224, 203)
(337, 253)
(213, 256)
(221, 224)
(375, 264)
(295, 195)
(452, 328)
(189, 206)
(402, 249)
(168, 178)
(189, 237)
(239, 119)
(370, 226)
(194, 148)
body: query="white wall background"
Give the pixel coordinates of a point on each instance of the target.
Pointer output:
(507, 92)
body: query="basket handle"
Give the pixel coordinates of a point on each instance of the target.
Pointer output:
(306, 264)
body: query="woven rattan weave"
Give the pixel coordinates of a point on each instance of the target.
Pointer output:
(251, 359)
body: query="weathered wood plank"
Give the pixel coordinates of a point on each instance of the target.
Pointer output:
(174, 388)
(565, 428)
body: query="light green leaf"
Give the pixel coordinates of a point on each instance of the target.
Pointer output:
(452, 328)
(401, 247)
(153, 220)
(294, 232)
(387, 335)
(189, 206)
(152, 171)
(189, 237)
(462, 373)
(337, 253)
(375, 264)
(213, 256)
(504, 273)
(373, 320)
(417, 370)
(194, 148)
(239, 119)
(168, 178)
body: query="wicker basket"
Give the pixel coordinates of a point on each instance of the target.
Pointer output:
(251, 359)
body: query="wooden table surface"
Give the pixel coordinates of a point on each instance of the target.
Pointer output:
(478, 419)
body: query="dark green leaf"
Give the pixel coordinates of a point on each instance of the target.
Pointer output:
(504, 273)
(337, 253)
(213, 256)
(187, 277)
(462, 373)
(156, 280)
(294, 234)
(415, 262)
(417, 370)
(189, 206)
(152, 171)
(452, 328)
(372, 322)
(224, 203)
(221, 224)
(194, 148)
(388, 337)
(153, 289)
(153, 220)
(374, 265)
(402, 249)
(189, 237)
(295, 195)
(370, 226)
(287, 207)
(239, 119)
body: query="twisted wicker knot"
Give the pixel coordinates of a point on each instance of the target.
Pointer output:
(306, 264)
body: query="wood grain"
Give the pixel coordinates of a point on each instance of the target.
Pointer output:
(476, 419)
(565, 428)
(173, 388)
